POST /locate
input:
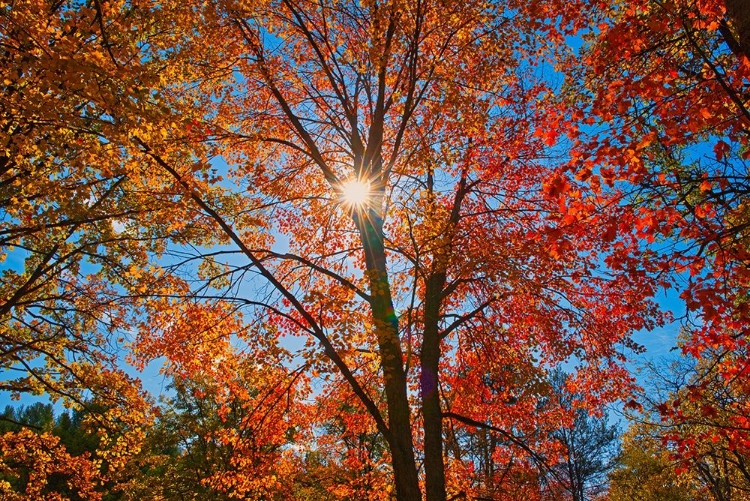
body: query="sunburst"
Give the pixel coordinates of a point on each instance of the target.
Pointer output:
(355, 193)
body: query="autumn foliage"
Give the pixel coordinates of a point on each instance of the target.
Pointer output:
(173, 192)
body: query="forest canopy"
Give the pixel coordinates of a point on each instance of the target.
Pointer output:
(379, 249)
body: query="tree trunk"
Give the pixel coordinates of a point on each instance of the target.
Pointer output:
(432, 414)
(429, 387)
(399, 439)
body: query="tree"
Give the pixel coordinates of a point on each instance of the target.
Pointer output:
(395, 97)
(64, 196)
(703, 422)
(39, 416)
(48, 455)
(41, 465)
(663, 109)
(461, 266)
(67, 426)
(566, 457)
(590, 446)
(644, 471)
(350, 461)
(227, 438)
(688, 436)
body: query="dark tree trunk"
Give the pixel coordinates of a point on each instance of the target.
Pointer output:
(429, 387)
(432, 414)
(386, 326)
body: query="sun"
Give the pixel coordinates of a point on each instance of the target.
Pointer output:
(355, 193)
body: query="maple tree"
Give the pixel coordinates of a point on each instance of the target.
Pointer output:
(661, 115)
(191, 196)
(663, 109)
(698, 416)
(684, 444)
(351, 460)
(43, 458)
(67, 196)
(461, 246)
